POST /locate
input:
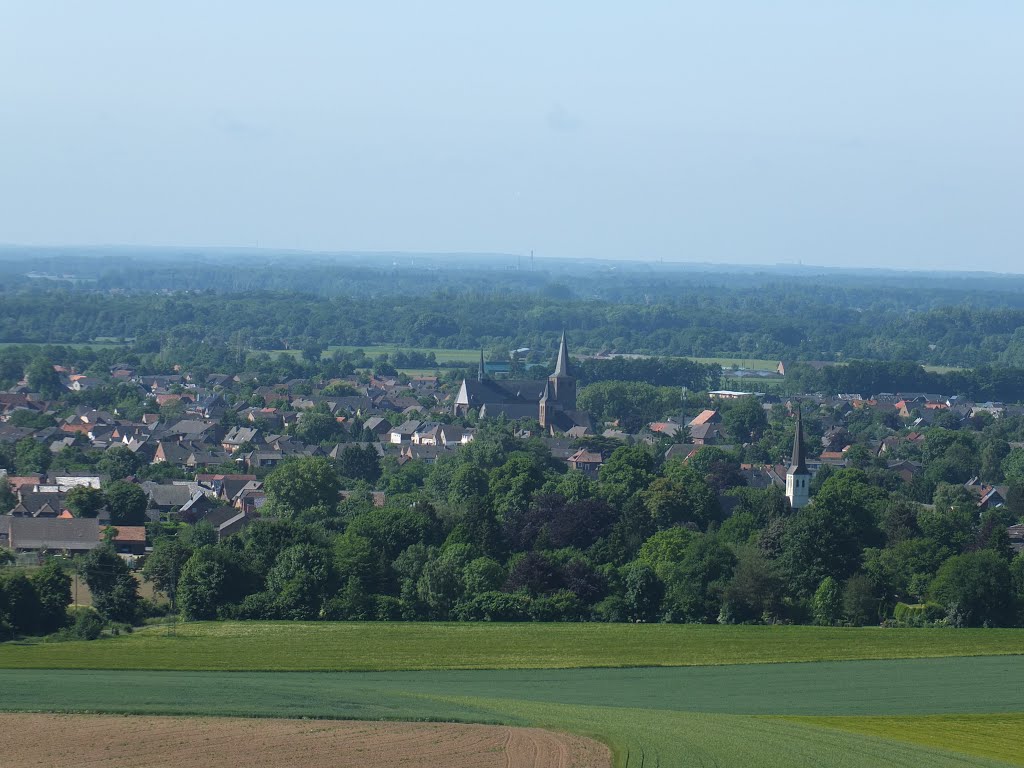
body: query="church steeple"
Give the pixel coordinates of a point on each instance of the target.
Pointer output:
(798, 464)
(543, 405)
(562, 361)
(797, 476)
(563, 385)
(481, 372)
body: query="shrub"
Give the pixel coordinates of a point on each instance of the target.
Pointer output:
(495, 606)
(87, 625)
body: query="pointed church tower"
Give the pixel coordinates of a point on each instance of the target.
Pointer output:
(563, 386)
(481, 372)
(798, 478)
(545, 403)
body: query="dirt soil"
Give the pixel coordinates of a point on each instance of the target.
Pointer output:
(114, 741)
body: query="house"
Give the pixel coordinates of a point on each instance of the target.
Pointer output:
(378, 425)
(587, 462)
(426, 453)
(428, 433)
(239, 436)
(1016, 534)
(706, 434)
(166, 498)
(907, 470)
(39, 504)
(127, 539)
(263, 459)
(707, 416)
(668, 428)
(404, 432)
(731, 394)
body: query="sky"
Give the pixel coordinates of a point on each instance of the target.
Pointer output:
(879, 133)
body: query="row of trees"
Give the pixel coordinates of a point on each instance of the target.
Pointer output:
(499, 532)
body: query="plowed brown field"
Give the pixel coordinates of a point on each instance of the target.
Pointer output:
(105, 741)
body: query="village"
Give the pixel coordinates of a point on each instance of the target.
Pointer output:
(204, 445)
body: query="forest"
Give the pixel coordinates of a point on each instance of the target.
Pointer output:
(269, 302)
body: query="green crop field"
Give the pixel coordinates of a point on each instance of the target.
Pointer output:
(75, 344)
(661, 695)
(354, 646)
(727, 715)
(373, 350)
(995, 735)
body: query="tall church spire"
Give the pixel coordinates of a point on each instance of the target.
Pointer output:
(481, 372)
(562, 362)
(798, 489)
(798, 464)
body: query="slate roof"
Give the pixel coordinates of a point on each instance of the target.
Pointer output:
(76, 534)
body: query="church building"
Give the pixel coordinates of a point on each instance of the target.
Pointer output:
(550, 401)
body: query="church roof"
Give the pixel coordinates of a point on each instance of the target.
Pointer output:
(504, 391)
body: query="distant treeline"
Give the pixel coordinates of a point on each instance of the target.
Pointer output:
(981, 384)
(773, 321)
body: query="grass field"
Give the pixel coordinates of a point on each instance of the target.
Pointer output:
(76, 344)
(353, 646)
(994, 736)
(717, 716)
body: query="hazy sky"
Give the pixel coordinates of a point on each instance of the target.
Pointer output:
(881, 133)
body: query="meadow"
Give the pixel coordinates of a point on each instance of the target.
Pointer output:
(379, 646)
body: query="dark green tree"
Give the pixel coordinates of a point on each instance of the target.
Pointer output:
(300, 484)
(164, 566)
(85, 501)
(975, 589)
(115, 592)
(53, 588)
(127, 503)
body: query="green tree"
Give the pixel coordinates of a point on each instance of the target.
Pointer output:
(745, 420)
(53, 588)
(212, 579)
(1013, 466)
(318, 426)
(127, 503)
(665, 549)
(31, 457)
(975, 589)
(681, 497)
(115, 592)
(860, 605)
(164, 566)
(302, 483)
(826, 603)
(118, 462)
(42, 378)
(695, 587)
(644, 592)
(627, 471)
(826, 538)
(756, 589)
(20, 607)
(85, 501)
(360, 463)
(23, 417)
(301, 581)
